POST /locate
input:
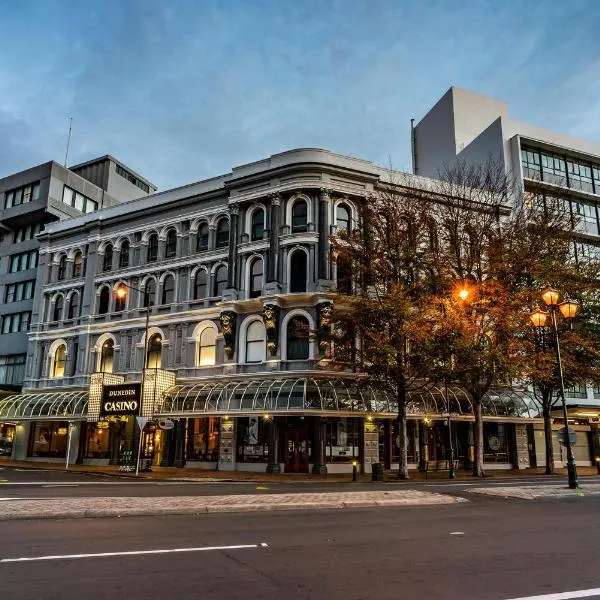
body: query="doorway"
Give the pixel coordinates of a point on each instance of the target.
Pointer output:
(297, 450)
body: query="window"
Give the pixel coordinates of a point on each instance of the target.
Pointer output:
(16, 322)
(252, 440)
(120, 302)
(132, 178)
(207, 347)
(171, 245)
(256, 278)
(22, 195)
(200, 285)
(580, 176)
(298, 270)
(59, 362)
(78, 265)
(107, 262)
(153, 248)
(16, 292)
(344, 275)
(62, 268)
(150, 293)
(104, 300)
(297, 338)
(576, 391)
(168, 291)
(342, 440)
(585, 217)
(255, 342)
(154, 352)
(223, 233)
(23, 261)
(530, 159)
(12, 369)
(203, 439)
(27, 232)
(220, 281)
(554, 169)
(258, 225)
(74, 306)
(299, 216)
(342, 217)
(107, 355)
(59, 303)
(202, 241)
(124, 257)
(49, 439)
(79, 201)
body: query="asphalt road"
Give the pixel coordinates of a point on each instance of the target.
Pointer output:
(488, 550)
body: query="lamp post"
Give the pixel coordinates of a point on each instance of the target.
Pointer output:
(568, 309)
(121, 293)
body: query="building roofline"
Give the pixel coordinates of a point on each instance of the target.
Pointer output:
(110, 157)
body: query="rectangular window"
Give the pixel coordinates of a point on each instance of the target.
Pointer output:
(49, 439)
(23, 261)
(586, 219)
(252, 440)
(15, 292)
(16, 322)
(580, 176)
(79, 201)
(554, 169)
(203, 439)
(12, 369)
(342, 439)
(22, 195)
(530, 159)
(576, 391)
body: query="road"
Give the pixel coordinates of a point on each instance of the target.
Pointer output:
(486, 550)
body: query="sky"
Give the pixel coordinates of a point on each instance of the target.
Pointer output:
(183, 90)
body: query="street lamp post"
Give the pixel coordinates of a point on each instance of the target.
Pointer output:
(568, 310)
(121, 293)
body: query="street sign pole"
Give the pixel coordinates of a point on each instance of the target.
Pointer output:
(141, 421)
(69, 445)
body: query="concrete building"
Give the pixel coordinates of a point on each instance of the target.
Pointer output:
(29, 202)
(216, 336)
(470, 127)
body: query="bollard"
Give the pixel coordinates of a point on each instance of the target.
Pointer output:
(354, 471)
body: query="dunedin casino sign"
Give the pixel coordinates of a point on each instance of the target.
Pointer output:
(122, 399)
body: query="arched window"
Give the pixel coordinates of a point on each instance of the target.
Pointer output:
(168, 291)
(258, 224)
(256, 278)
(207, 347)
(220, 281)
(150, 293)
(108, 258)
(154, 352)
(104, 301)
(59, 362)
(344, 275)
(107, 355)
(200, 285)
(58, 308)
(120, 302)
(62, 267)
(342, 217)
(297, 338)
(222, 233)
(153, 248)
(202, 241)
(171, 245)
(298, 270)
(299, 216)
(74, 305)
(78, 265)
(255, 342)
(124, 257)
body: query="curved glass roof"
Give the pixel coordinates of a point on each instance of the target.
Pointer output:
(48, 406)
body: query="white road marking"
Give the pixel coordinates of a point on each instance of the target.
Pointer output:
(49, 485)
(563, 595)
(457, 533)
(132, 553)
(133, 482)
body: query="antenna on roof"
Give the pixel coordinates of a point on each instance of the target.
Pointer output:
(68, 140)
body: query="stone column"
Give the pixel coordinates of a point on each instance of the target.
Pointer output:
(180, 443)
(227, 445)
(323, 229)
(274, 225)
(233, 241)
(273, 465)
(319, 466)
(424, 444)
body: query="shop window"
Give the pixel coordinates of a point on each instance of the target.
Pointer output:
(104, 300)
(108, 258)
(256, 278)
(153, 248)
(74, 305)
(252, 440)
(222, 234)
(107, 356)
(62, 267)
(299, 216)
(298, 271)
(255, 342)
(220, 281)
(207, 347)
(342, 440)
(171, 244)
(168, 291)
(495, 442)
(124, 256)
(297, 338)
(98, 440)
(59, 303)
(49, 439)
(342, 217)
(7, 436)
(60, 362)
(202, 241)
(203, 439)
(258, 225)
(200, 285)
(154, 356)
(78, 265)
(149, 293)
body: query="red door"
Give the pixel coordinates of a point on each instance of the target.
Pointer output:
(297, 451)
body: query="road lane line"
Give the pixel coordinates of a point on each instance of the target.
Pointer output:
(132, 553)
(563, 595)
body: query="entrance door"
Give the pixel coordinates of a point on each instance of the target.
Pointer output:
(297, 451)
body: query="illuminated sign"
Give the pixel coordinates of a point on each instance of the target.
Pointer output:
(121, 399)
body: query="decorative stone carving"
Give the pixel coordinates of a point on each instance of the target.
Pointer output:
(228, 323)
(325, 316)
(271, 320)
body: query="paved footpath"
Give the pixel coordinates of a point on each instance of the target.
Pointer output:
(531, 492)
(53, 508)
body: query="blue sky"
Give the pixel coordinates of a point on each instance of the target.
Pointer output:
(182, 90)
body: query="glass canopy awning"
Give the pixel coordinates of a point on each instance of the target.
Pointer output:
(63, 406)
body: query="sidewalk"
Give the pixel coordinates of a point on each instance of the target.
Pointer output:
(58, 508)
